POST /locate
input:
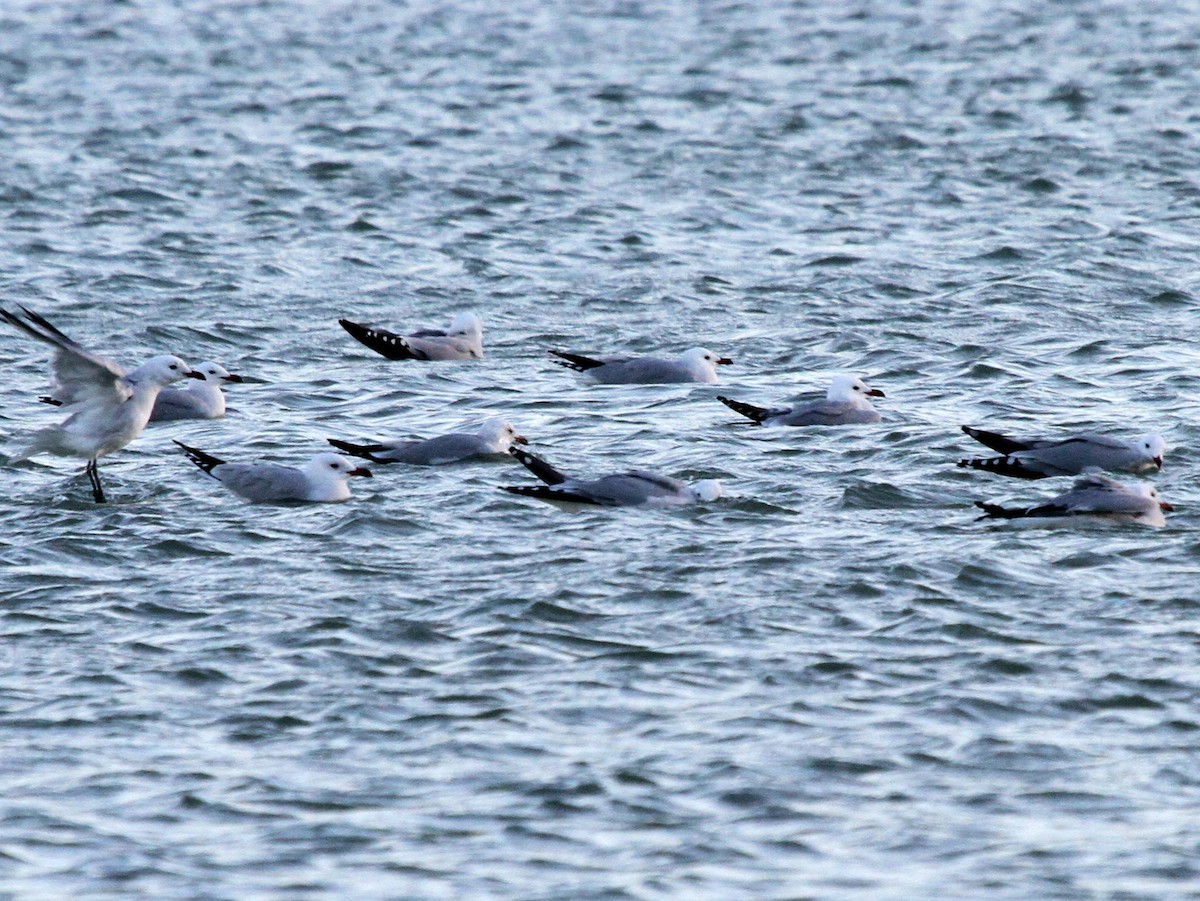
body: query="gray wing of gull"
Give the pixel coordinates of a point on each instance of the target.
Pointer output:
(823, 412)
(628, 489)
(1073, 455)
(176, 403)
(79, 375)
(640, 371)
(444, 347)
(1101, 495)
(434, 451)
(260, 482)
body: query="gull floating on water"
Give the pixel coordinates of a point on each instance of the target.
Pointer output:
(695, 365)
(205, 400)
(1039, 459)
(322, 480)
(626, 489)
(462, 339)
(106, 407)
(846, 403)
(495, 436)
(1092, 499)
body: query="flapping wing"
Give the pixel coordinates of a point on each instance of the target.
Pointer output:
(79, 375)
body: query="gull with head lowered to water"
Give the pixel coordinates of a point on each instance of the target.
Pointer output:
(1041, 458)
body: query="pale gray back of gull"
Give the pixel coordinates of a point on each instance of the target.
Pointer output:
(627, 489)
(494, 437)
(1092, 499)
(204, 400)
(1041, 458)
(462, 339)
(847, 402)
(106, 407)
(695, 365)
(324, 479)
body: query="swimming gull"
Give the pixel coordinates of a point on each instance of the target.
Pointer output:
(626, 489)
(1092, 499)
(847, 402)
(323, 479)
(462, 339)
(695, 365)
(106, 407)
(205, 400)
(1039, 459)
(495, 436)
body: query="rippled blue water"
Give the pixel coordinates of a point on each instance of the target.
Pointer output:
(834, 683)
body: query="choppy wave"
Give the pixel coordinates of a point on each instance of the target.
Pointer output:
(833, 683)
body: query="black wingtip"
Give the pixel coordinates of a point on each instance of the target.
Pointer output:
(364, 451)
(751, 412)
(549, 493)
(1004, 466)
(995, 511)
(1001, 444)
(538, 466)
(385, 343)
(578, 362)
(205, 461)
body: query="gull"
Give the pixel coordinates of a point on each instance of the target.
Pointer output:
(1093, 498)
(495, 436)
(1039, 459)
(322, 480)
(106, 407)
(695, 365)
(626, 489)
(846, 403)
(203, 401)
(462, 339)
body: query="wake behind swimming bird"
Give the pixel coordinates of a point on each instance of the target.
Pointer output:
(847, 402)
(695, 365)
(1042, 458)
(324, 479)
(494, 437)
(106, 407)
(1092, 499)
(462, 339)
(627, 489)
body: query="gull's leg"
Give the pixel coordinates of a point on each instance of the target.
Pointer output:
(93, 472)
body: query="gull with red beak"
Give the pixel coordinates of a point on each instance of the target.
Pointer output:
(846, 403)
(1093, 499)
(695, 365)
(204, 400)
(1040, 458)
(494, 437)
(322, 480)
